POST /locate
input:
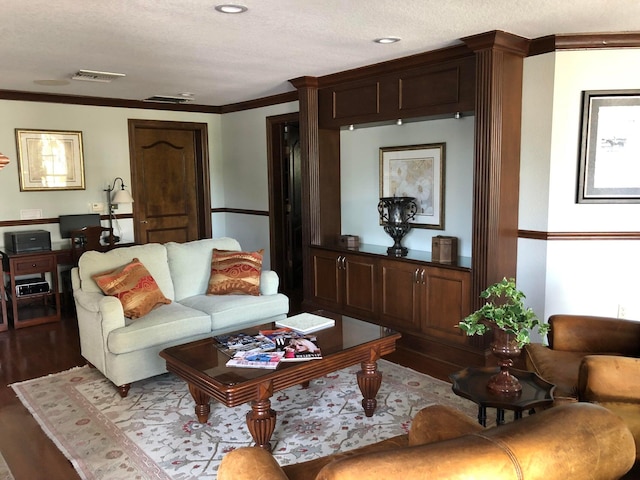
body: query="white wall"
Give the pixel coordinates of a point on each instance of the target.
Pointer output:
(106, 156)
(245, 173)
(572, 276)
(360, 184)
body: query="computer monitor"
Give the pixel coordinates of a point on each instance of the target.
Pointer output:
(76, 222)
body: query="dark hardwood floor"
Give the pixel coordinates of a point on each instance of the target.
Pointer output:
(37, 351)
(24, 354)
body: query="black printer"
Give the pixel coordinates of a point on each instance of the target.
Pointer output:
(27, 241)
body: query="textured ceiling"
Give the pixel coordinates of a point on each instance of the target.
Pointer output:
(167, 47)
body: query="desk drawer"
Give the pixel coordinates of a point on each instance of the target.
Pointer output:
(35, 264)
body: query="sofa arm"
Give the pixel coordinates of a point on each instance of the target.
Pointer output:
(437, 423)
(269, 282)
(582, 333)
(103, 310)
(606, 378)
(250, 463)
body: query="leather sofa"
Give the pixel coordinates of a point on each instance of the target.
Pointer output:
(573, 441)
(126, 350)
(592, 359)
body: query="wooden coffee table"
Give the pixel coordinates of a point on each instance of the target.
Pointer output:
(349, 342)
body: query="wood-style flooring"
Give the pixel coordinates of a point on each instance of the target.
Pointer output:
(24, 354)
(37, 351)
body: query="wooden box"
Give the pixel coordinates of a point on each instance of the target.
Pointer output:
(349, 241)
(444, 249)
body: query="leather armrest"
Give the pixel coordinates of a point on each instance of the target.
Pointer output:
(582, 333)
(437, 422)
(249, 463)
(605, 378)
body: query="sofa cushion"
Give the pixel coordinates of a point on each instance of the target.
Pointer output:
(152, 255)
(134, 286)
(190, 264)
(161, 325)
(227, 311)
(235, 272)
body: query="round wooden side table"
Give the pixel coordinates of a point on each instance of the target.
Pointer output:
(471, 383)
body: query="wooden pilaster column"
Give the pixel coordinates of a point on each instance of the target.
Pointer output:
(310, 168)
(498, 110)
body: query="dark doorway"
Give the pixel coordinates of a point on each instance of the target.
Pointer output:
(170, 181)
(285, 204)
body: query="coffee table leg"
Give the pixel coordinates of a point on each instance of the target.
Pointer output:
(369, 380)
(202, 407)
(261, 420)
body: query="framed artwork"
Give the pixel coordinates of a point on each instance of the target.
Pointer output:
(50, 160)
(416, 171)
(609, 168)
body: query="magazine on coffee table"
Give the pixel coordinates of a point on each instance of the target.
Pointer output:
(255, 359)
(242, 342)
(306, 323)
(295, 346)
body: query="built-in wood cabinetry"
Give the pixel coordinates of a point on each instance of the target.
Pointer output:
(412, 295)
(483, 75)
(415, 92)
(344, 282)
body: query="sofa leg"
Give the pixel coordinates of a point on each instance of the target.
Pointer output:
(123, 390)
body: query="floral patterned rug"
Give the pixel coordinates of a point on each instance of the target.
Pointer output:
(5, 473)
(153, 433)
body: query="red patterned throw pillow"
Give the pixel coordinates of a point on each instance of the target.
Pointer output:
(235, 272)
(134, 286)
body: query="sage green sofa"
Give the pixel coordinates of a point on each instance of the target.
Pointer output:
(126, 350)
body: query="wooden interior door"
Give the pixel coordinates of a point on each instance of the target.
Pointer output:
(170, 181)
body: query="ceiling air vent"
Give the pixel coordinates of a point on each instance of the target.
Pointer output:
(94, 76)
(168, 99)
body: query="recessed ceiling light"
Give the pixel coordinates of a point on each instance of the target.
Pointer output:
(386, 40)
(231, 8)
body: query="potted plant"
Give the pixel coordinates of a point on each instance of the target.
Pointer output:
(512, 323)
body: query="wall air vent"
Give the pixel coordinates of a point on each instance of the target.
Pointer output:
(168, 99)
(94, 76)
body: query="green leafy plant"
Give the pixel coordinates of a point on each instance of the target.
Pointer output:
(505, 309)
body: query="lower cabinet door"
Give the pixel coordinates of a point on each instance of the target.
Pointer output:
(400, 295)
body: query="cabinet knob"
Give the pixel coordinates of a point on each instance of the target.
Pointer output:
(422, 276)
(415, 275)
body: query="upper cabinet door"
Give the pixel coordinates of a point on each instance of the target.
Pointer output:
(439, 89)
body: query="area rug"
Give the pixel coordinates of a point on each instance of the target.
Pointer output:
(153, 433)
(5, 473)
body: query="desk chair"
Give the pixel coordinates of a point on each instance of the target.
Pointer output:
(82, 240)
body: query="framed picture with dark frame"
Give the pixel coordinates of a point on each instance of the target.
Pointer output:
(50, 160)
(416, 171)
(609, 167)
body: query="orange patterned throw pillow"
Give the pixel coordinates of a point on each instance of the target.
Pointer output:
(235, 272)
(134, 286)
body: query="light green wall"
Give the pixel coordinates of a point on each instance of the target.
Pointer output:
(106, 156)
(360, 179)
(558, 276)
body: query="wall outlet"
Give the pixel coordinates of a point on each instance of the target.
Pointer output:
(622, 311)
(97, 207)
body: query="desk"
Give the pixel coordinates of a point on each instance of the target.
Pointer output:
(471, 383)
(35, 308)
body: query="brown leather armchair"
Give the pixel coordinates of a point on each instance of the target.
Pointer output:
(578, 440)
(592, 359)
(573, 337)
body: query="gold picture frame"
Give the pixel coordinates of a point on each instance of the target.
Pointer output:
(50, 160)
(416, 171)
